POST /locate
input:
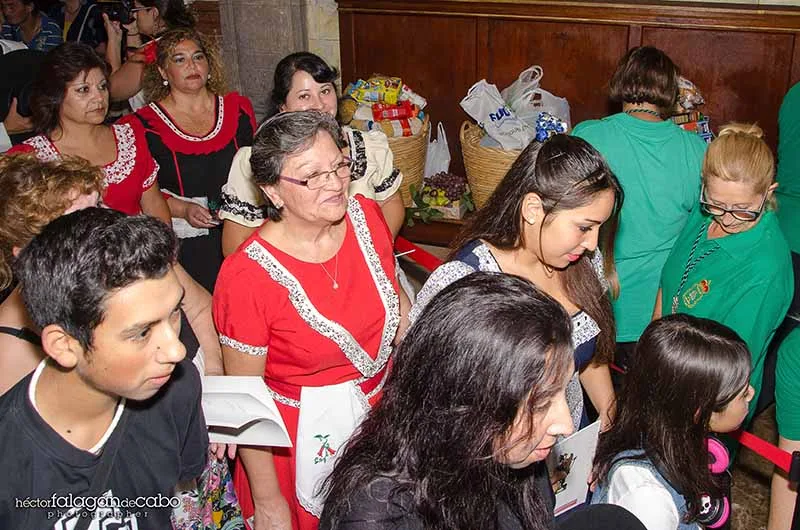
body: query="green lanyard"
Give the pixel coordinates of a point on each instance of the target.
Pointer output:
(690, 265)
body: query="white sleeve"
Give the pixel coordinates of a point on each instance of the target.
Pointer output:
(637, 490)
(242, 200)
(443, 276)
(5, 141)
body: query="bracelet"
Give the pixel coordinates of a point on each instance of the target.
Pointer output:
(133, 34)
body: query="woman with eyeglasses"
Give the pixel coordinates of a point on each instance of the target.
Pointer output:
(309, 302)
(731, 263)
(193, 128)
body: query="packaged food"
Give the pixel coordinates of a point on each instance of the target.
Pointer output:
(382, 111)
(406, 94)
(377, 89)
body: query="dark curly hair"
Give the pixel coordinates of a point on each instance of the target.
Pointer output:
(61, 66)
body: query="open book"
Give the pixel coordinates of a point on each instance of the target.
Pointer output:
(240, 410)
(569, 464)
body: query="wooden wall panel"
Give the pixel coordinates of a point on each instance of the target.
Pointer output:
(434, 55)
(578, 59)
(208, 18)
(743, 74)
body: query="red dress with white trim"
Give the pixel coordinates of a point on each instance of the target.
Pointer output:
(194, 168)
(131, 174)
(327, 332)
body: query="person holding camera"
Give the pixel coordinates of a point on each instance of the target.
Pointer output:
(193, 129)
(24, 23)
(144, 22)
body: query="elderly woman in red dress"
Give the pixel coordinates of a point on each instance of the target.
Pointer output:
(310, 302)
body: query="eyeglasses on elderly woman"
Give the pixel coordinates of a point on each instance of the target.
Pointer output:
(318, 180)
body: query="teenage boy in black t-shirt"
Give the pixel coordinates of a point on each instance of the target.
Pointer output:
(111, 421)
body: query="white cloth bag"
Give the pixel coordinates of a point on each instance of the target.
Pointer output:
(485, 105)
(328, 416)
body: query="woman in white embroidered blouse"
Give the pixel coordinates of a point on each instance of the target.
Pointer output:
(309, 302)
(303, 81)
(543, 222)
(69, 102)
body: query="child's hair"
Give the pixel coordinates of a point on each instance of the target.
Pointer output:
(684, 368)
(69, 270)
(462, 374)
(35, 193)
(740, 154)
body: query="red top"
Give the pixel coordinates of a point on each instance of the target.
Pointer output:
(127, 177)
(262, 291)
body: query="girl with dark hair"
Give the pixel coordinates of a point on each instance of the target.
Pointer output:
(543, 222)
(303, 81)
(472, 407)
(654, 460)
(69, 102)
(658, 165)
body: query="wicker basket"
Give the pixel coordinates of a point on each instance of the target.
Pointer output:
(409, 157)
(485, 166)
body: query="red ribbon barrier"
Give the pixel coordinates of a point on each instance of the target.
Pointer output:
(425, 259)
(774, 454)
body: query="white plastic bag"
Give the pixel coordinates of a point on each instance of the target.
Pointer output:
(527, 79)
(485, 105)
(527, 99)
(438, 157)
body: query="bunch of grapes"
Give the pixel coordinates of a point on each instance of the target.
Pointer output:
(453, 186)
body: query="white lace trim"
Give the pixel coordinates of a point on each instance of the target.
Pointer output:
(187, 137)
(152, 178)
(242, 347)
(584, 328)
(332, 330)
(115, 172)
(119, 170)
(45, 150)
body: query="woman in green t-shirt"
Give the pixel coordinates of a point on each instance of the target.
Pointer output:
(731, 263)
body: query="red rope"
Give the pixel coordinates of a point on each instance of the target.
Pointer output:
(425, 259)
(777, 456)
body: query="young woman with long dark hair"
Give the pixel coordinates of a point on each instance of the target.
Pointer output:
(543, 222)
(473, 405)
(654, 460)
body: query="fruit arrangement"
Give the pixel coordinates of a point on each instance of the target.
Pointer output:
(443, 196)
(443, 188)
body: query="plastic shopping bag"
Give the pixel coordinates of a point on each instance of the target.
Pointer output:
(527, 79)
(485, 105)
(528, 99)
(438, 157)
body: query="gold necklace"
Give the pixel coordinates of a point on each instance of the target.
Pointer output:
(335, 271)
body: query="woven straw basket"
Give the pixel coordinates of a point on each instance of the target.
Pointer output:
(409, 157)
(485, 166)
